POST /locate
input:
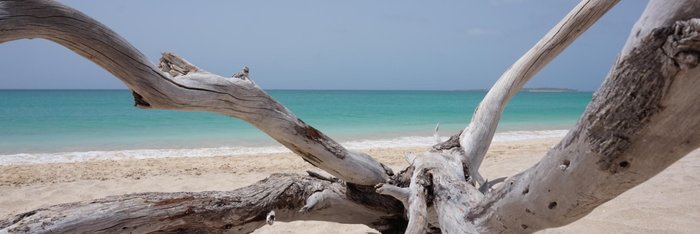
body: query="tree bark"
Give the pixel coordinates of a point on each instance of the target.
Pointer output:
(642, 120)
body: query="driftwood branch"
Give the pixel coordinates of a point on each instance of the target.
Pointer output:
(450, 193)
(476, 137)
(642, 120)
(182, 86)
(240, 211)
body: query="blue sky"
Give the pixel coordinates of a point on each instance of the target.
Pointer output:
(366, 44)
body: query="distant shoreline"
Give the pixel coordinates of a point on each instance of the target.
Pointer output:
(548, 90)
(379, 90)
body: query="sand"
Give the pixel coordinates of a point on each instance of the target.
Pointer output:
(668, 203)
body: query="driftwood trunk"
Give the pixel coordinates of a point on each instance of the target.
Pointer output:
(642, 119)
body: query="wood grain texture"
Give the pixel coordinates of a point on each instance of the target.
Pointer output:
(239, 211)
(477, 136)
(643, 119)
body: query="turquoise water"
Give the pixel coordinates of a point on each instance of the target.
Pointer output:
(45, 121)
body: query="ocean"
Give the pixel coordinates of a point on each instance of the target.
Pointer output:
(38, 126)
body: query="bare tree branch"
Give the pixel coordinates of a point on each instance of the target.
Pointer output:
(241, 211)
(183, 86)
(477, 136)
(642, 120)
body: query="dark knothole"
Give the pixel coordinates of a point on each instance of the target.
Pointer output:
(552, 205)
(624, 164)
(523, 226)
(527, 190)
(565, 164)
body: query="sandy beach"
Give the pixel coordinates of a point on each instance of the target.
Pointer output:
(665, 204)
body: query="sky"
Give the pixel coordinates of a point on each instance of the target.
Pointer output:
(321, 44)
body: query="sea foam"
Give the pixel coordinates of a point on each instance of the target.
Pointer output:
(409, 141)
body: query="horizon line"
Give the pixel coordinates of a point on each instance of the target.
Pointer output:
(445, 90)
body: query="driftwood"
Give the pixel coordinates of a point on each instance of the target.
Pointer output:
(641, 120)
(289, 196)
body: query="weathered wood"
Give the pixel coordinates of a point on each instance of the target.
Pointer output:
(183, 86)
(239, 211)
(476, 137)
(644, 118)
(418, 199)
(451, 195)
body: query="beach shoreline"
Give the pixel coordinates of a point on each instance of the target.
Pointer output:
(666, 203)
(398, 142)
